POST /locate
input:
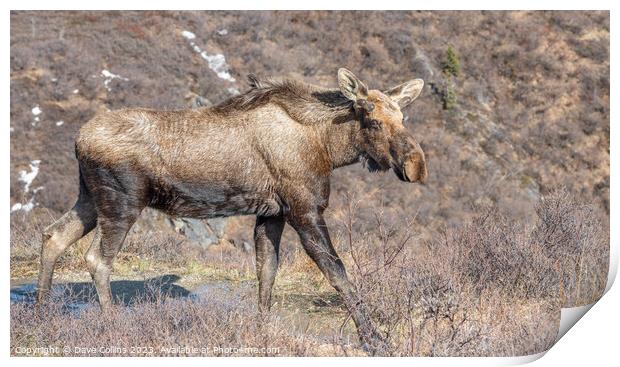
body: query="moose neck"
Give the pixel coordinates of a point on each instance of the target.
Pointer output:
(332, 114)
(326, 109)
(341, 140)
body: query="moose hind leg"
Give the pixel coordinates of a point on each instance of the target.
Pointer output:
(72, 226)
(267, 235)
(105, 246)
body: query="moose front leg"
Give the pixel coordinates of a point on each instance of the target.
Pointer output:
(267, 235)
(315, 239)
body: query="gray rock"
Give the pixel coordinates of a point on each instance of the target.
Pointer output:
(202, 232)
(243, 244)
(200, 101)
(423, 68)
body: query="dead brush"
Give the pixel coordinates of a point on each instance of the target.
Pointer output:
(157, 324)
(572, 236)
(491, 287)
(417, 306)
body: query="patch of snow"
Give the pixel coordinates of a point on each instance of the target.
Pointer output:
(25, 207)
(195, 47)
(36, 112)
(76, 91)
(59, 123)
(189, 35)
(222, 32)
(216, 62)
(54, 80)
(234, 91)
(28, 177)
(108, 74)
(108, 77)
(12, 129)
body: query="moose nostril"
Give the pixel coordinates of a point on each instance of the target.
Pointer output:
(424, 171)
(420, 166)
(423, 174)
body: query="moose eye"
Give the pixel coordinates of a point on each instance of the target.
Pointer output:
(374, 124)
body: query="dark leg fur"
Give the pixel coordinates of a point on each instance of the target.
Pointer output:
(267, 235)
(119, 196)
(315, 239)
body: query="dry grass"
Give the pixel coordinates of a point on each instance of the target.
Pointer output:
(492, 287)
(576, 240)
(156, 328)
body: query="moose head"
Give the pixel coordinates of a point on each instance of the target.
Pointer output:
(384, 141)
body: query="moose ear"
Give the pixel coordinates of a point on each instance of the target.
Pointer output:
(406, 93)
(351, 86)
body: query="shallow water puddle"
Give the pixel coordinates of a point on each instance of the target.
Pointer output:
(321, 314)
(26, 293)
(78, 295)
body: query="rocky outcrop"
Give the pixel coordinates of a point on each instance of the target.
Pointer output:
(202, 232)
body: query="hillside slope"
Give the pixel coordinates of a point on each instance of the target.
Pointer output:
(529, 109)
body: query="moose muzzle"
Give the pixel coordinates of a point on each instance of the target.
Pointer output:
(414, 168)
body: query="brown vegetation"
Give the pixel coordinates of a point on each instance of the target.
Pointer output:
(488, 288)
(482, 270)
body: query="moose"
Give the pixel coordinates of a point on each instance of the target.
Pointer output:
(268, 152)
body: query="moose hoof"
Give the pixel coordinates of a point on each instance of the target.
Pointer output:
(375, 344)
